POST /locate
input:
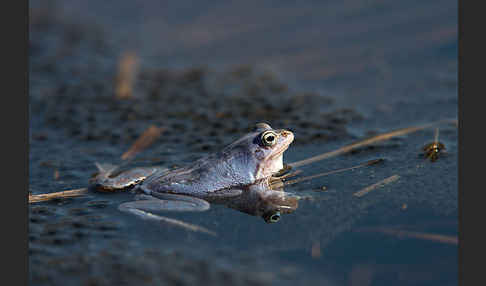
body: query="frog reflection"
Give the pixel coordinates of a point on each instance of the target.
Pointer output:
(261, 200)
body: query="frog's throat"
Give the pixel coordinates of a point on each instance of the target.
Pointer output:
(279, 153)
(270, 166)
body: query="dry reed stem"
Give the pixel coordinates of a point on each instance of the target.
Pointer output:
(379, 184)
(56, 195)
(145, 140)
(361, 143)
(447, 239)
(126, 75)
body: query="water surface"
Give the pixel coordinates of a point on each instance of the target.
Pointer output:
(389, 64)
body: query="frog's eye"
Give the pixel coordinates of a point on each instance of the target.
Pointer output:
(269, 138)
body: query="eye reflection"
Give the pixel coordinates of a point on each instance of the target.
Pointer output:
(273, 218)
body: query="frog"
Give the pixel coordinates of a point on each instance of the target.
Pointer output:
(233, 175)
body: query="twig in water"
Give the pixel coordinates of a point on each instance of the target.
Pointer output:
(145, 140)
(361, 143)
(56, 195)
(447, 239)
(298, 180)
(377, 185)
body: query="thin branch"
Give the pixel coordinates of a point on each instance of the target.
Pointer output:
(298, 180)
(447, 239)
(146, 139)
(376, 185)
(56, 195)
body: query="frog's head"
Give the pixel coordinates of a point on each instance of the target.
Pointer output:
(268, 148)
(260, 152)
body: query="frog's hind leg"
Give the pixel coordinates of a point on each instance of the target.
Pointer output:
(144, 204)
(126, 179)
(166, 202)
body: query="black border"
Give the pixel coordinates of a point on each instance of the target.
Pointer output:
(15, 138)
(470, 186)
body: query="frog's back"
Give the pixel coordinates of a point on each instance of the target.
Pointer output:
(213, 173)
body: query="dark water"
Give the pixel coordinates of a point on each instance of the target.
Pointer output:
(375, 66)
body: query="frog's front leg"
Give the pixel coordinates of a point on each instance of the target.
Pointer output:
(104, 181)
